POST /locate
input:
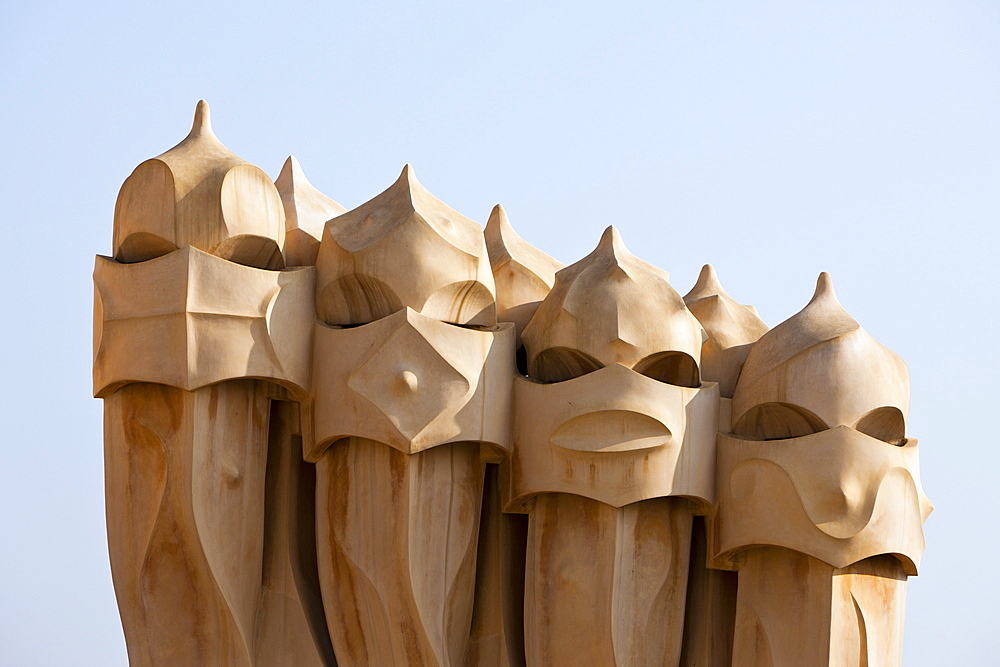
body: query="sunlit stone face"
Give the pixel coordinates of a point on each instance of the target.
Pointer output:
(817, 459)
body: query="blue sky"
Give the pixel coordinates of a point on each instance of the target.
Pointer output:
(773, 140)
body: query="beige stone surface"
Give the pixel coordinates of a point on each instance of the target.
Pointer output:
(404, 248)
(427, 443)
(497, 635)
(710, 611)
(306, 212)
(796, 610)
(201, 532)
(820, 369)
(412, 383)
(611, 423)
(605, 585)
(200, 194)
(524, 275)
(732, 330)
(615, 436)
(411, 397)
(189, 319)
(613, 308)
(397, 536)
(820, 506)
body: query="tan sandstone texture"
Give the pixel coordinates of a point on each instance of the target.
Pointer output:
(386, 436)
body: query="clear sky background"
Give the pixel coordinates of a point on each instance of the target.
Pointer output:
(773, 140)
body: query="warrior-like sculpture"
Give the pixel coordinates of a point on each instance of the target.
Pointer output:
(614, 431)
(411, 397)
(386, 436)
(199, 341)
(820, 503)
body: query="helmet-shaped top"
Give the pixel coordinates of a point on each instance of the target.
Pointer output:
(523, 274)
(200, 194)
(404, 248)
(612, 307)
(819, 369)
(306, 212)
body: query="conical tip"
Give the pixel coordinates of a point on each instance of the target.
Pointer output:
(611, 241)
(291, 172)
(708, 279)
(824, 289)
(202, 120)
(498, 219)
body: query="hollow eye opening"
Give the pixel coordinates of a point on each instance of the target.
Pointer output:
(886, 424)
(778, 421)
(558, 364)
(676, 368)
(356, 299)
(522, 361)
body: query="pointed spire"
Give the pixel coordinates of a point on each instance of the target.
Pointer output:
(614, 307)
(824, 291)
(290, 174)
(731, 327)
(202, 125)
(499, 235)
(523, 274)
(707, 285)
(612, 243)
(306, 212)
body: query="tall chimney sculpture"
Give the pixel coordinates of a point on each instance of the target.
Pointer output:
(732, 329)
(411, 398)
(196, 335)
(385, 436)
(613, 430)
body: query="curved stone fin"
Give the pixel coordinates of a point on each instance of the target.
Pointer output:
(732, 329)
(306, 212)
(524, 275)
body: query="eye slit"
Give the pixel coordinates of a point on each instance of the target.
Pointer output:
(886, 423)
(522, 360)
(778, 421)
(465, 303)
(356, 299)
(557, 364)
(676, 368)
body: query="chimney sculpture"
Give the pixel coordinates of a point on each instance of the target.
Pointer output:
(732, 330)
(820, 504)
(411, 397)
(387, 437)
(198, 340)
(612, 431)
